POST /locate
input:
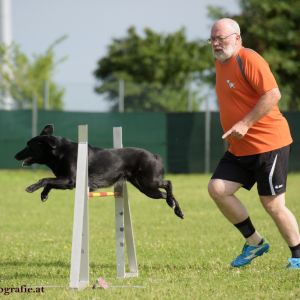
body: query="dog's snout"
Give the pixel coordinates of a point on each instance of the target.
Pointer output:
(17, 156)
(23, 154)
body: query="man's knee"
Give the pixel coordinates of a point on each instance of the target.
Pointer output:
(273, 204)
(219, 188)
(216, 189)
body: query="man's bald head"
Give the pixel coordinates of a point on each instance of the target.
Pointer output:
(227, 24)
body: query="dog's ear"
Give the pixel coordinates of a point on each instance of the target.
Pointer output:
(48, 130)
(47, 139)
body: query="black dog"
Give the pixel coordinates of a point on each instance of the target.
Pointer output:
(105, 167)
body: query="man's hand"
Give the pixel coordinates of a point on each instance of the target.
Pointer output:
(264, 105)
(237, 131)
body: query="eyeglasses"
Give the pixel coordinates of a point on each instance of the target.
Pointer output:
(219, 39)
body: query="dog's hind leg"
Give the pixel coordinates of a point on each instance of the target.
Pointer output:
(153, 191)
(170, 199)
(150, 191)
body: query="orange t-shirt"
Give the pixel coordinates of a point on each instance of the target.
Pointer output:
(237, 96)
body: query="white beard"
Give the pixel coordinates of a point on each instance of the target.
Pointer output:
(224, 54)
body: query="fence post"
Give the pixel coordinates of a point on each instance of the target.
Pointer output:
(34, 116)
(121, 95)
(207, 149)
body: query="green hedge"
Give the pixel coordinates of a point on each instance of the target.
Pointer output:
(178, 137)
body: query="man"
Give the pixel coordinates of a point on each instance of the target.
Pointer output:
(259, 143)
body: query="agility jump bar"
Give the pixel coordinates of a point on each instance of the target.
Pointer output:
(103, 194)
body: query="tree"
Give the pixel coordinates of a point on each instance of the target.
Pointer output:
(272, 28)
(157, 70)
(25, 79)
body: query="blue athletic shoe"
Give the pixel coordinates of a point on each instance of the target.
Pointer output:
(249, 253)
(294, 263)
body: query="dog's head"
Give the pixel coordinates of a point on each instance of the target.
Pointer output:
(39, 149)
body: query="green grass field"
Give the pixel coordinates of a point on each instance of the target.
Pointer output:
(178, 259)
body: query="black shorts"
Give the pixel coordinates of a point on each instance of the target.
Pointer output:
(268, 169)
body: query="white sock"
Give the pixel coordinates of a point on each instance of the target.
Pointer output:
(254, 239)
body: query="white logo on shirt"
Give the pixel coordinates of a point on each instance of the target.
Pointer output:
(230, 84)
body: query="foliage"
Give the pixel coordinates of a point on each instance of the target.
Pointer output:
(157, 70)
(26, 79)
(272, 29)
(178, 259)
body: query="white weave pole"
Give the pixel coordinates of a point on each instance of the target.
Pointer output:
(79, 273)
(124, 231)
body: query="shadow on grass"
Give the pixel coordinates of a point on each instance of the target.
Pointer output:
(58, 263)
(16, 270)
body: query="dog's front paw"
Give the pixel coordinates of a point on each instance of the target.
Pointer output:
(30, 189)
(44, 197)
(178, 212)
